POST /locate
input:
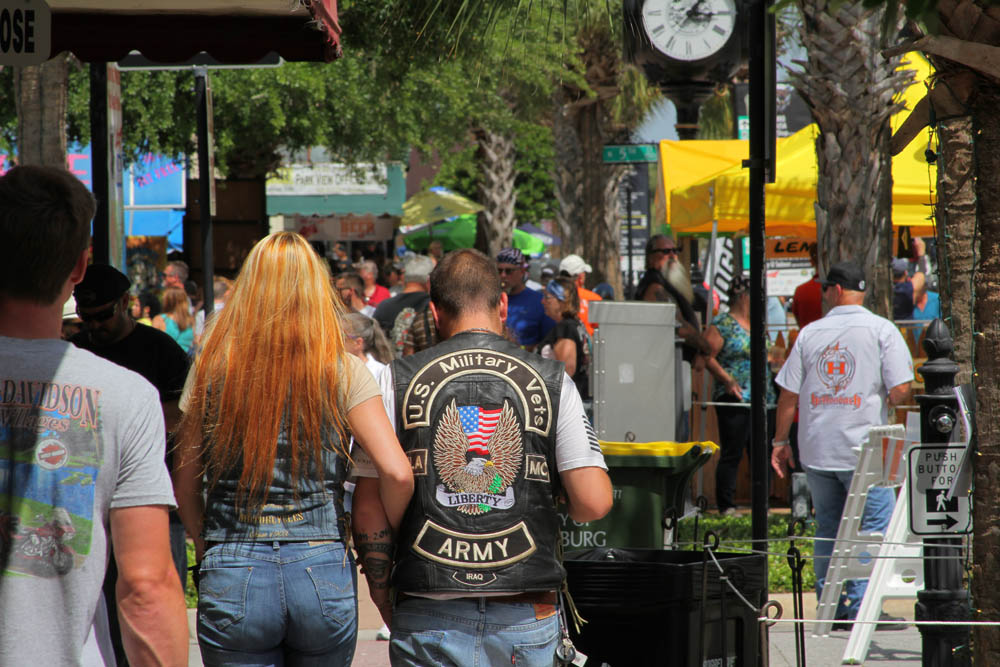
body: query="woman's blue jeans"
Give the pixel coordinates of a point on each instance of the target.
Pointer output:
(829, 493)
(277, 603)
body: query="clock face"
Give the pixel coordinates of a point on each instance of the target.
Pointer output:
(689, 29)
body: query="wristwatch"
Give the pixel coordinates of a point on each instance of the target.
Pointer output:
(780, 443)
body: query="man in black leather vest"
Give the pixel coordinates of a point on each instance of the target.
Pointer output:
(496, 437)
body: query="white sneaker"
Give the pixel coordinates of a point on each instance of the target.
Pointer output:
(383, 633)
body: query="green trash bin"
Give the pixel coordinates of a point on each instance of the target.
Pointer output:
(650, 479)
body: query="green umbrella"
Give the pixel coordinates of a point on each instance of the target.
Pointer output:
(460, 232)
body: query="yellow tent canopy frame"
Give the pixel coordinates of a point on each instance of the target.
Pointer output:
(701, 193)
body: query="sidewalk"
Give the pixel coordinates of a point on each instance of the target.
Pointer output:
(888, 649)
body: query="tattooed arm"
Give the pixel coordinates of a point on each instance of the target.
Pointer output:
(373, 541)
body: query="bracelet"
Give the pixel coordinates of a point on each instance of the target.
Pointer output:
(780, 443)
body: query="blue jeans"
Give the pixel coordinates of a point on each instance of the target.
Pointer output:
(277, 603)
(472, 632)
(829, 493)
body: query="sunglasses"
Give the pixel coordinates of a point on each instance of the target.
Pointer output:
(99, 316)
(667, 251)
(505, 271)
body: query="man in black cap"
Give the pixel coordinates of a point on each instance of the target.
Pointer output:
(843, 371)
(102, 302)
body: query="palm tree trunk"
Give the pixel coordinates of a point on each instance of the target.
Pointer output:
(986, 362)
(958, 244)
(495, 224)
(41, 92)
(849, 86)
(569, 186)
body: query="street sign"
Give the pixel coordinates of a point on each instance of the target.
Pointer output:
(25, 32)
(932, 473)
(626, 153)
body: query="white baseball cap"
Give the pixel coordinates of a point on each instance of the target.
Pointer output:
(574, 264)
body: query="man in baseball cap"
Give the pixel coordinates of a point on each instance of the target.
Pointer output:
(102, 302)
(574, 267)
(525, 316)
(847, 274)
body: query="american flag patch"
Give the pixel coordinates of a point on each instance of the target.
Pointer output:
(478, 425)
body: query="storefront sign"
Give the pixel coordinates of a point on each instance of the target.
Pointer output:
(325, 178)
(348, 227)
(25, 32)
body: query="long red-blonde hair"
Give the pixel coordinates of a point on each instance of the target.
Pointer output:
(272, 358)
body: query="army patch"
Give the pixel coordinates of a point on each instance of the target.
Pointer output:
(474, 551)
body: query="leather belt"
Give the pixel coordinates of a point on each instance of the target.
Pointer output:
(528, 597)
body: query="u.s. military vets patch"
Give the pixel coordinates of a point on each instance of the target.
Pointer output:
(477, 454)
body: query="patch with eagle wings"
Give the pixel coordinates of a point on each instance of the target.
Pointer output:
(477, 454)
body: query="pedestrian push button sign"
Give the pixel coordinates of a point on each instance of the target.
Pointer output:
(932, 472)
(25, 32)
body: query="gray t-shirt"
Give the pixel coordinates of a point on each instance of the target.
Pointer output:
(78, 436)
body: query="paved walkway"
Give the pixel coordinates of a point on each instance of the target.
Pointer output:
(888, 649)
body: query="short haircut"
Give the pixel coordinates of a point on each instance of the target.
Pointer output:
(181, 268)
(45, 216)
(465, 281)
(417, 269)
(369, 267)
(353, 281)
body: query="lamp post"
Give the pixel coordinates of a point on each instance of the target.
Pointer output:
(944, 598)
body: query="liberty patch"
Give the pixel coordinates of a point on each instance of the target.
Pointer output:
(477, 454)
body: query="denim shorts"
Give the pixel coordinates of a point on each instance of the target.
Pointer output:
(277, 603)
(472, 632)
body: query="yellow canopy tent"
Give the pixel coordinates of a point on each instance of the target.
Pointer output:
(789, 202)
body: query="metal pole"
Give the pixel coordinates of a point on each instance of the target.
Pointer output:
(760, 34)
(100, 154)
(628, 224)
(205, 204)
(943, 598)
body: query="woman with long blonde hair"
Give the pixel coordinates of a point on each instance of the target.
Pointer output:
(176, 318)
(270, 405)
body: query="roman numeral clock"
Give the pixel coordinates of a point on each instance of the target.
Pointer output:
(687, 47)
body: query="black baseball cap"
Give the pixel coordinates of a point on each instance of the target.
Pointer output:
(848, 275)
(100, 285)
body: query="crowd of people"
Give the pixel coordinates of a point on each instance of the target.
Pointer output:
(242, 432)
(428, 419)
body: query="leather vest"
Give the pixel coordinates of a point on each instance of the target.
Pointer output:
(477, 418)
(310, 508)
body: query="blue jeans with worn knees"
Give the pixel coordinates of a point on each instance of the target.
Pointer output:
(472, 632)
(277, 603)
(829, 493)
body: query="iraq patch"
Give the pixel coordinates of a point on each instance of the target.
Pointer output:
(477, 454)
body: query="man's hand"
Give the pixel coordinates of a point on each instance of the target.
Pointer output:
(781, 460)
(373, 541)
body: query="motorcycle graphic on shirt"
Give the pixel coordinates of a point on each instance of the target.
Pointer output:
(50, 454)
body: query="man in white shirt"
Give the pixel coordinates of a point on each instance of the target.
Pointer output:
(842, 373)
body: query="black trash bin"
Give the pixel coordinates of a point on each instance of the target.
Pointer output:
(644, 607)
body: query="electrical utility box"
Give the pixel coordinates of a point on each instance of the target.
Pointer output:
(633, 371)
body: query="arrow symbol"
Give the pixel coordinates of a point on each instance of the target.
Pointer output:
(948, 521)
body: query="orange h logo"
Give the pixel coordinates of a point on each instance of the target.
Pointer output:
(836, 367)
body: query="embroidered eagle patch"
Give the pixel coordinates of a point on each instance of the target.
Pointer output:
(478, 454)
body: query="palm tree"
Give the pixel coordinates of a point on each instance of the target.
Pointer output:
(601, 107)
(849, 87)
(40, 93)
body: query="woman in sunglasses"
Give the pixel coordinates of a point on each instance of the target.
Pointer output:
(567, 341)
(270, 406)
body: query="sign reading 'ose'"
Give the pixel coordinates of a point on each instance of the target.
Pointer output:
(25, 32)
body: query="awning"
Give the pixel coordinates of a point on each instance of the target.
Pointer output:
(176, 30)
